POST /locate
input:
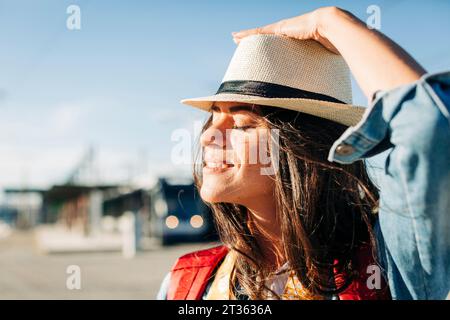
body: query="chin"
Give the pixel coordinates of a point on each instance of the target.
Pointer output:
(215, 193)
(210, 195)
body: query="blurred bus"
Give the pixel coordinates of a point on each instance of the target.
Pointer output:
(177, 214)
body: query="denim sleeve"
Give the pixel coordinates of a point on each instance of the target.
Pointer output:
(411, 126)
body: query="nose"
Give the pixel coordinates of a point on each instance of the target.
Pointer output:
(215, 135)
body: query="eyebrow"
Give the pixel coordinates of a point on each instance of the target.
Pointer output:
(235, 109)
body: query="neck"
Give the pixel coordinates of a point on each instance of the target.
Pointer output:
(266, 229)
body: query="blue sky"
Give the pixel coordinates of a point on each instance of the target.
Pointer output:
(116, 83)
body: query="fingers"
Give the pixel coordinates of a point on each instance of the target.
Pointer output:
(238, 36)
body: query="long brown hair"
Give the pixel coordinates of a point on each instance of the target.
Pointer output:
(325, 210)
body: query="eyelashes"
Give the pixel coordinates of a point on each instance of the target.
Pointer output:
(242, 128)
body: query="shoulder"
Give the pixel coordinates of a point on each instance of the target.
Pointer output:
(191, 273)
(201, 258)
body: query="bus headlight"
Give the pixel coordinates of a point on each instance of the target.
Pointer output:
(172, 222)
(196, 221)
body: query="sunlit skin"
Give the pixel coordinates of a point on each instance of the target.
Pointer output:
(240, 181)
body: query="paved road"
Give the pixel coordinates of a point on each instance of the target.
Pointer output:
(26, 274)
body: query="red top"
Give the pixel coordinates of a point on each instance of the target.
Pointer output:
(192, 272)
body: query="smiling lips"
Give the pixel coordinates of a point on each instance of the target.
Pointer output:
(216, 167)
(217, 161)
(219, 165)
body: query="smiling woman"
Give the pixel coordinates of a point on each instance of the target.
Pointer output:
(231, 145)
(316, 227)
(268, 220)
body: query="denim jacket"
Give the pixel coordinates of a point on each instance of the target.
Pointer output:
(408, 130)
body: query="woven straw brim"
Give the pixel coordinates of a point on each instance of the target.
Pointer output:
(348, 115)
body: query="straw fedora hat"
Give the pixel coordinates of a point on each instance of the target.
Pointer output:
(282, 72)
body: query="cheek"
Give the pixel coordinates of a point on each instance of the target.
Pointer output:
(236, 146)
(245, 148)
(250, 149)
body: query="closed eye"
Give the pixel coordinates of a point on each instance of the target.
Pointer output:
(243, 128)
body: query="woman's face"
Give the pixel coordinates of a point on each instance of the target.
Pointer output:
(235, 152)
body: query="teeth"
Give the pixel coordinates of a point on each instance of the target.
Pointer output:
(218, 165)
(213, 164)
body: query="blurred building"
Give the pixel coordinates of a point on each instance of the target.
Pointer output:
(135, 202)
(75, 206)
(169, 212)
